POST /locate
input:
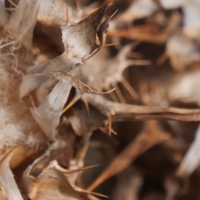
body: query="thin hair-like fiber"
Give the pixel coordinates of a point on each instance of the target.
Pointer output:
(16, 123)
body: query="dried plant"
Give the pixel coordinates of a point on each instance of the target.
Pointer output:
(81, 78)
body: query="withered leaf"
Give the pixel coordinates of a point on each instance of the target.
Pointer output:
(34, 78)
(80, 39)
(48, 113)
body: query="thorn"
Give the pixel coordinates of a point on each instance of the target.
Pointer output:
(120, 96)
(70, 171)
(162, 59)
(111, 44)
(95, 193)
(86, 106)
(12, 3)
(129, 88)
(139, 62)
(81, 154)
(71, 103)
(109, 125)
(113, 96)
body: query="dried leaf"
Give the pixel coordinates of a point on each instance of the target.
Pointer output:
(48, 113)
(35, 78)
(80, 39)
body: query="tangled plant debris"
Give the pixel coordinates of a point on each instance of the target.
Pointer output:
(99, 99)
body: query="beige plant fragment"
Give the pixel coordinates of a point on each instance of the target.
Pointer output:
(20, 26)
(80, 43)
(55, 67)
(7, 180)
(103, 74)
(53, 182)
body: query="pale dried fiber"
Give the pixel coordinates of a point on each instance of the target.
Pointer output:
(7, 180)
(16, 123)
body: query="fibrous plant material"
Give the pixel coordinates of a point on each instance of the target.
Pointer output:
(71, 89)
